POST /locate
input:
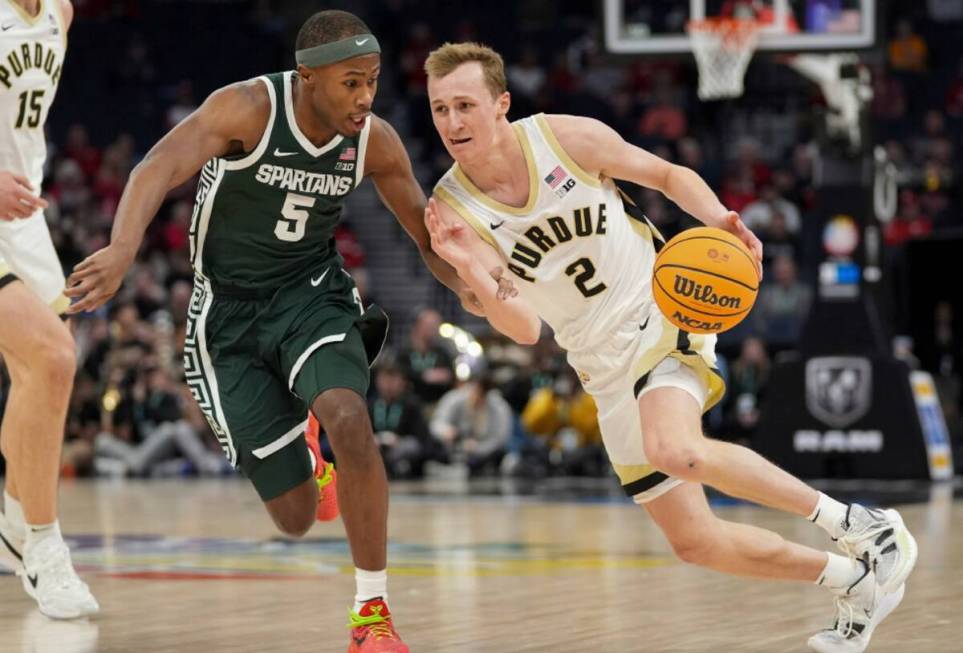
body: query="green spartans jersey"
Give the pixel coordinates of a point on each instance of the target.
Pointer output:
(268, 217)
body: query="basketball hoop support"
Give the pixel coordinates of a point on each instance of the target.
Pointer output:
(846, 85)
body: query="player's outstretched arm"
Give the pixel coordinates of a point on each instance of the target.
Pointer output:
(390, 168)
(599, 149)
(481, 267)
(232, 120)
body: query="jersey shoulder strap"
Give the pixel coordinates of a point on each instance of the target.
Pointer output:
(544, 142)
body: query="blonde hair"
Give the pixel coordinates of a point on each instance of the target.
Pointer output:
(445, 59)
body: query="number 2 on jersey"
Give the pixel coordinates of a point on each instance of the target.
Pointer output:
(586, 270)
(290, 227)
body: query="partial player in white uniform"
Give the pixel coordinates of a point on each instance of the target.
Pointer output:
(535, 200)
(35, 343)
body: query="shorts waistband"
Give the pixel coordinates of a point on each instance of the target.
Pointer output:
(240, 292)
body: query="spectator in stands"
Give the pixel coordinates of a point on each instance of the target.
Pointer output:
(183, 106)
(778, 241)
(79, 149)
(889, 96)
(69, 190)
(526, 78)
(909, 221)
(567, 418)
(758, 215)
(164, 432)
(907, 50)
(426, 361)
(398, 423)
(953, 104)
(349, 247)
(664, 121)
(692, 155)
(748, 377)
(738, 191)
(473, 424)
(782, 306)
(174, 234)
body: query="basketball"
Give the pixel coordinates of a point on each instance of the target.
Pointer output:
(705, 280)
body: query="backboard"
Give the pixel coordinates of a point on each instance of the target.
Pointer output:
(659, 26)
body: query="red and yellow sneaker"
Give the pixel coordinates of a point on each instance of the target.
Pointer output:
(372, 630)
(324, 473)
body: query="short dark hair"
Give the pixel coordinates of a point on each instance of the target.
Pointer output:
(329, 26)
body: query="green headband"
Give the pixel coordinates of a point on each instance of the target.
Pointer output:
(353, 46)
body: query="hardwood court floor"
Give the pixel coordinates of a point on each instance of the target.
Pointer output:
(195, 567)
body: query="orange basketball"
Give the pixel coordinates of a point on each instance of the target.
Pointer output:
(705, 280)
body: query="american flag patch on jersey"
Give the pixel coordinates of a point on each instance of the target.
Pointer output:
(555, 177)
(348, 154)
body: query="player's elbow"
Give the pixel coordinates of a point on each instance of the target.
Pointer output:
(529, 334)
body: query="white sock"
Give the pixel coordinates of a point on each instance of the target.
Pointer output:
(369, 584)
(829, 515)
(13, 511)
(841, 572)
(37, 533)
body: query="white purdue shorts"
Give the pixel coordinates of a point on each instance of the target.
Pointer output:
(646, 352)
(27, 253)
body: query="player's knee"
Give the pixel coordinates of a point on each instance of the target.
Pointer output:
(56, 361)
(695, 545)
(294, 523)
(679, 461)
(346, 426)
(695, 552)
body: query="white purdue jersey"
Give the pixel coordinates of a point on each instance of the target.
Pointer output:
(582, 258)
(32, 53)
(579, 260)
(31, 59)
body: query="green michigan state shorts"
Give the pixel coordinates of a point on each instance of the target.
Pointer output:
(255, 361)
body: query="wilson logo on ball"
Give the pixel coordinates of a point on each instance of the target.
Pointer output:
(686, 287)
(705, 280)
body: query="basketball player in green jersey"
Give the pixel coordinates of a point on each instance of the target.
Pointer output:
(276, 324)
(537, 197)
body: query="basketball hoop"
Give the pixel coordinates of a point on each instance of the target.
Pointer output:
(722, 48)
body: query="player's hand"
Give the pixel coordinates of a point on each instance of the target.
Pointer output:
(17, 200)
(97, 278)
(449, 238)
(734, 225)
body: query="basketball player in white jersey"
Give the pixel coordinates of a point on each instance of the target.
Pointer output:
(35, 343)
(535, 199)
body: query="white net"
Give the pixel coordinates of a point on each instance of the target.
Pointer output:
(722, 48)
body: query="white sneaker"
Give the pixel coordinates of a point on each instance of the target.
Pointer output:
(859, 610)
(880, 538)
(11, 546)
(49, 577)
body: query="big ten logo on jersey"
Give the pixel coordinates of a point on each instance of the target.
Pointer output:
(302, 181)
(551, 233)
(559, 181)
(345, 162)
(26, 57)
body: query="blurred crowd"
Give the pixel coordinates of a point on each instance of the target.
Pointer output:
(502, 409)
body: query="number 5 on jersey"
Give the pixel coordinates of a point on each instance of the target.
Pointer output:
(290, 227)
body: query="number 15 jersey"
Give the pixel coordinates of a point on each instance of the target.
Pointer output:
(32, 52)
(578, 257)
